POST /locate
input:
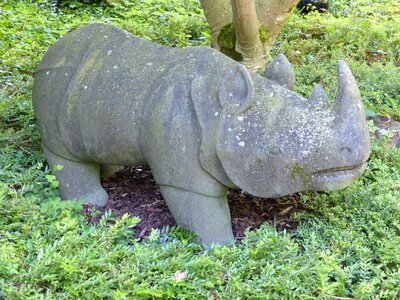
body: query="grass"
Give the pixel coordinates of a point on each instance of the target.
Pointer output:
(347, 246)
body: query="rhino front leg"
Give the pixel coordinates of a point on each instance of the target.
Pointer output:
(208, 216)
(79, 181)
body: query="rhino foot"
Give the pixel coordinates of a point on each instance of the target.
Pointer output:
(80, 181)
(208, 216)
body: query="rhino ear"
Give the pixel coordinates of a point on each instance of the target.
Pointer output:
(236, 92)
(280, 70)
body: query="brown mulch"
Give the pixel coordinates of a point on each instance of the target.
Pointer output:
(387, 124)
(134, 191)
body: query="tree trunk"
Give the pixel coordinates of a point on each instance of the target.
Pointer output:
(218, 14)
(247, 27)
(246, 30)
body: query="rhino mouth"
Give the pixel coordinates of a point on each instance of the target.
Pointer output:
(341, 171)
(337, 178)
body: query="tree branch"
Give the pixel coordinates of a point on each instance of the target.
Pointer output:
(273, 14)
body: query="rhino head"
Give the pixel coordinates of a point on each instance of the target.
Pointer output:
(272, 142)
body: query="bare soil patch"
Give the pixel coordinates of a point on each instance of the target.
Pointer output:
(134, 191)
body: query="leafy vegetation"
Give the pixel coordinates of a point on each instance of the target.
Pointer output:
(347, 246)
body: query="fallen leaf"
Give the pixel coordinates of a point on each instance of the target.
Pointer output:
(285, 211)
(143, 233)
(179, 276)
(214, 296)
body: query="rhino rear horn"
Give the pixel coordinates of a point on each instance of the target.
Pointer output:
(281, 71)
(318, 97)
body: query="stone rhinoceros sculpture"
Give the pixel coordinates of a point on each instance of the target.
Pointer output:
(200, 120)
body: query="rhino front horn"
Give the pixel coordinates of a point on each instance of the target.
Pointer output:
(349, 98)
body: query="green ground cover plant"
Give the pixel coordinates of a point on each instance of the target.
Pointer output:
(346, 247)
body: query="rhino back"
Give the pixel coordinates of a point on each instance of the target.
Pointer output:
(90, 90)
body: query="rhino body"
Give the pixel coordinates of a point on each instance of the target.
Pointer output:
(200, 120)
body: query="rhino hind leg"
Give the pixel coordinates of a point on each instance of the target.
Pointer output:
(208, 216)
(80, 181)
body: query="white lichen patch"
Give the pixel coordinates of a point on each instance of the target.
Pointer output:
(312, 133)
(109, 52)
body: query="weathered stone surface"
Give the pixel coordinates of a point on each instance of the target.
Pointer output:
(201, 121)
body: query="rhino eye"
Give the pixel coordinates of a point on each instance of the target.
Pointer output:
(274, 150)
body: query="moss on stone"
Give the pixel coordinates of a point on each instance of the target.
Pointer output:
(227, 42)
(264, 33)
(299, 171)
